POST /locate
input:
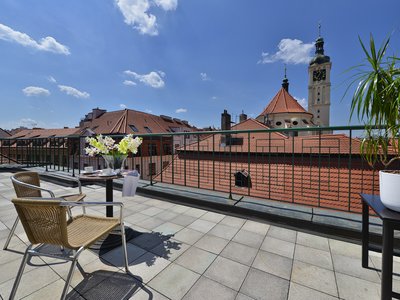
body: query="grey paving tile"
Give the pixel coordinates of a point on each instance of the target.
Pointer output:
(115, 256)
(355, 288)
(233, 221)
(352, 266)
(300, 292)
(151, 211)
(314, 256)
(136, 218)
(188, 236)
(183, 220)
(264, 286)
(278, 246)
(167, 215)
(313, 241)
(314, 277)
(147, 266)
(282, 234)
(212, 217)
(196, 259)
(195, 212)
(149, 240)
(241, 296)
(227, 272)
(274, 264)
(256, 227)
(174, 282)
(211, 243)
(147, 293)
(206, 289)
(202, 225)
(223, 231)
(248, 238)
(345, 249)
(240, 253)
(179, 209)
(170, 249)
(151, 223)
(168, 228)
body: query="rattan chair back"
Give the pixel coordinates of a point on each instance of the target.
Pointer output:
(30, 178)
(44, 221)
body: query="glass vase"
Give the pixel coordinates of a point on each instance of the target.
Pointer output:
(115, 162)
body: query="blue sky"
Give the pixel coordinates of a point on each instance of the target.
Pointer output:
(184, 58)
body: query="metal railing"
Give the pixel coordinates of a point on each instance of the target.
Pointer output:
(306, 166)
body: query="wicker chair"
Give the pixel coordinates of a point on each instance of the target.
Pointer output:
(46, 222)
(27, 184)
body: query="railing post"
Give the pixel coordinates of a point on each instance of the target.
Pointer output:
(184, 159)
(350, 150)
(230, 172)
(198, 161)
(213, 160)
(248, 163)
(161, 155)
(151, 160)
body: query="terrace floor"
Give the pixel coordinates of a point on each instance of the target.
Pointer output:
(181, 252)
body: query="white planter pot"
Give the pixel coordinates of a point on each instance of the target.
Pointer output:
(389, 184)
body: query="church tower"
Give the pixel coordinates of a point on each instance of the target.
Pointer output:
(319, 84)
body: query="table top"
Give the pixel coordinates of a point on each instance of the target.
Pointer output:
(98, 176)
(382, 211)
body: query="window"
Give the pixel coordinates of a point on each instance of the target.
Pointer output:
(147, 129)
(318, 111)
(137, 168)
(295, 122)
(305, 121)
(133, 127)
(152, 149)
(167, 149)
(278, 123)
(152, 169)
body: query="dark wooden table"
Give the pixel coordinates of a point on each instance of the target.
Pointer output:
(109, 187)
(391, 221)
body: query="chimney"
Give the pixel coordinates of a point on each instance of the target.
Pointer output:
(97, 112)
(242, 117)
(225, 120)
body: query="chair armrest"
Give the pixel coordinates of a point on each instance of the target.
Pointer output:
(79, 184)
(34, 187)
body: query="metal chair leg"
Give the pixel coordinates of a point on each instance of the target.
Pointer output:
(124, 251)
(11, 233)
(71, 273)
(20, 272)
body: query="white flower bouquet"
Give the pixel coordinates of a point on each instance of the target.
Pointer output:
(101, 145)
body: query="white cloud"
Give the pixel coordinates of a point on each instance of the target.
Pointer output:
(181, 110)
(45, 44)
(129, 82)
(204, 77)
(69, 90)
(302, 101)
(167, 4)
(148, 111)
(291, 51)
(35, 91)
(136, 13)
(51, 79)
(214, 97)
(153, 79)
(123, 106)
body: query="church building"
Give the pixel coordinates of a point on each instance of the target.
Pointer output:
(285, 112)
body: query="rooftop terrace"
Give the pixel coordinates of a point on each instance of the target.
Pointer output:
(182, 252)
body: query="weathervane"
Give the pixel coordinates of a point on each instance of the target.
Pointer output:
(319, 29)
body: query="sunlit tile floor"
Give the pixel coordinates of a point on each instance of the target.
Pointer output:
(179, 252)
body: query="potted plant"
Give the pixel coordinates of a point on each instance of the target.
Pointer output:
(114, 154)
(376, 102)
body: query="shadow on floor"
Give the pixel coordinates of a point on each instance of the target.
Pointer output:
(154, 242)
(107, 285)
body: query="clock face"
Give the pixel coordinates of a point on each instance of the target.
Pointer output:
(319, 75)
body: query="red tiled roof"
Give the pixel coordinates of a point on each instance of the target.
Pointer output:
(283, 102)
(131, 121)
(4, 133)
(45, 133)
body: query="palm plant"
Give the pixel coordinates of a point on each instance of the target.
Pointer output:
(376, 101)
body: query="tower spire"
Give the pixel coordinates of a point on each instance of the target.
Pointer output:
(285, 82)
(319, 29)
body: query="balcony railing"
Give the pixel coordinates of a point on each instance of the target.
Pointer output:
(320, 167)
